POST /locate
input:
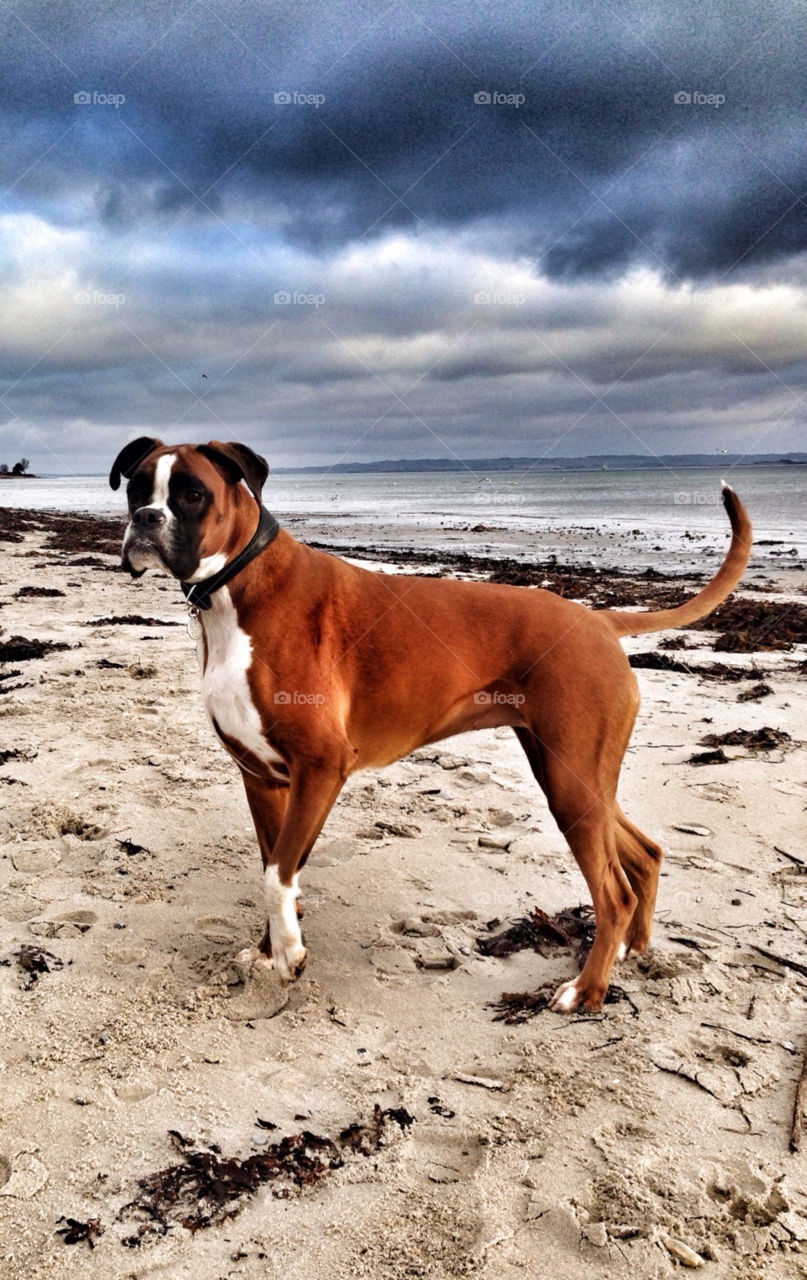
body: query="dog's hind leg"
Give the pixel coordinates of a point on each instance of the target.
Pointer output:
(641, 861)
(581, 800)
(588, 825)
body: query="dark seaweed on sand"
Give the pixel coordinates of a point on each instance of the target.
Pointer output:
(572, 928)
(35, 961)
(710, 671)
(74, 1231)
(20, 649)
(764, 739)
(207, 1188)
(749, 625)
(130, 620)
(718, 756)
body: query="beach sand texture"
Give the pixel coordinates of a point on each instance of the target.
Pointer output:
(633, 1142)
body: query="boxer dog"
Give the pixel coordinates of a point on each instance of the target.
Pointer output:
(313, 668)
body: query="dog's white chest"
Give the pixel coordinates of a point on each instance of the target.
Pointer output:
(226, 694)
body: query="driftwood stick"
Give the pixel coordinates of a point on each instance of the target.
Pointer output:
(799, 861)
(788, 964)
(715, 1026)
(797, 1127)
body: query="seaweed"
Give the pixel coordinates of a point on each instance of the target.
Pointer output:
(17, 753)
(516, 1007)
(710, 757)
(35, 961)
(207, 1188)
(74, 1232)
(37, 593)
(756, 693)
(764, 739)
(749, 625)
(131, 620)
(82, 534)
(130, 848)
(710, 671)
(439, 1110)
(573, 928)
(20, 649)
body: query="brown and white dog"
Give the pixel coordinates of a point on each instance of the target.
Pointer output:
(313, 668)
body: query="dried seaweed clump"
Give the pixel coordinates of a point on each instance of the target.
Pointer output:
(207, 1188)
(764, 739)
(573, 927)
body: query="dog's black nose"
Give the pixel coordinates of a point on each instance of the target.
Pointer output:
(148, 517)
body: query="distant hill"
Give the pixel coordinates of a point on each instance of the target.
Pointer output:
(593, 462)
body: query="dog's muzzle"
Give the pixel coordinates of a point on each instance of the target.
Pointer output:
(142, 545)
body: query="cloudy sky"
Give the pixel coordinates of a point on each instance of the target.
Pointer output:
(504, 228)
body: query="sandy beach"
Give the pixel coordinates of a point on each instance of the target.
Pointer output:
(165, 1113)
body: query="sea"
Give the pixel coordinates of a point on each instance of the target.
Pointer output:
(664, 505)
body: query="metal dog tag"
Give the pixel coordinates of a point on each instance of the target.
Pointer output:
(194, 625)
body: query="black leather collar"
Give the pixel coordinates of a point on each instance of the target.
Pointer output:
(198, 594)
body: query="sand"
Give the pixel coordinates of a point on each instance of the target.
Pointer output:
(561, 1147)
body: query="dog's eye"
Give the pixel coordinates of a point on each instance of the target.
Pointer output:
(192, 497)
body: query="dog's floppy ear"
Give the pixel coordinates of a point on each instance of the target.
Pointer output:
(130, 457)
(239, 462)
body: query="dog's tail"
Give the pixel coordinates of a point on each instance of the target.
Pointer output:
(713, 594)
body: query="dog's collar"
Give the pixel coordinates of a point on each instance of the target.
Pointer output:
(198, 594)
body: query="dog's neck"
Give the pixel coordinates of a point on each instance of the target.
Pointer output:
(217, 569)
(249, 591)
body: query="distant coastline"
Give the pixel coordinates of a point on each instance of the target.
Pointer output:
(592, 462)
(9, 475)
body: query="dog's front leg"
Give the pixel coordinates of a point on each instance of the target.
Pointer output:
(268, 802)
(311, 795)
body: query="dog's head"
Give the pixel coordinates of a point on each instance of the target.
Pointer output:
(188, 510)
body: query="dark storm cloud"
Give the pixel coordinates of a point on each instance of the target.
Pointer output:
(647, 251)
(598, 168)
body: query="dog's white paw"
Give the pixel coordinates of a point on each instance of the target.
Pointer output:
(289, 955)
(567, 997)
(288, 952)
(622, 952)
(252, 958)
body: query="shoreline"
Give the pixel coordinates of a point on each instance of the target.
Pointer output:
(524, 557)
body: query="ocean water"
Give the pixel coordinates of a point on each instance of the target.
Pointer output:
(663, 504)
